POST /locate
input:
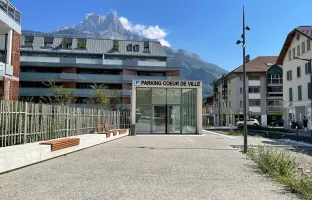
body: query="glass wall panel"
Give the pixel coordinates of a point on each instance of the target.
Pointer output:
(189, 96)
(189, 119)
(159, 119)
(158, 95)
(143, 96)
(174, 122)
(174, 96)
(143, 119)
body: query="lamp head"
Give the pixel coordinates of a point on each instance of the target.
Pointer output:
(247, 28)
(238, 42)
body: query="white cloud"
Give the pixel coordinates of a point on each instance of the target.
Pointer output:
(151, 32)
(164, 43)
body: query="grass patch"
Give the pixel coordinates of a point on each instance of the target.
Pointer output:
(231, 132)
(206, 126)
(282, 167)
(261, 128)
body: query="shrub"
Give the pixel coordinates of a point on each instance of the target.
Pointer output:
(279, 164)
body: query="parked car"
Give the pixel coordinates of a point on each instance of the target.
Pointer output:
(250, 122)
(278, 123)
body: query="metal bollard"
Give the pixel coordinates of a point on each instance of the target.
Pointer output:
(132, 130)
(297, 136)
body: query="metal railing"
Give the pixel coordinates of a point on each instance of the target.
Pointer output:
(11, 11)
(22, 122)
(275, 108)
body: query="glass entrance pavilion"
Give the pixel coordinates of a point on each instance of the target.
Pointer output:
(167, 107)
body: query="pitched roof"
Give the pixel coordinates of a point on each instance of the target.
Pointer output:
(304, 30)
(258, 64)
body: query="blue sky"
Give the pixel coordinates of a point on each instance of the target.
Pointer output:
(209, 28)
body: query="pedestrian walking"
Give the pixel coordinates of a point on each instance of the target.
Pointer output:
(305, 124)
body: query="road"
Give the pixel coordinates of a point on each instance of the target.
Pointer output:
(146, 167)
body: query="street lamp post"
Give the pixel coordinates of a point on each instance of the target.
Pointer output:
(309, 70)
(244, 79)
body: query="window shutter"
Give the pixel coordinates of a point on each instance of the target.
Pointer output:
(306, 68)
(309, 67)
(299, 92)
(290, 94)
(309, 90)
(290, 74)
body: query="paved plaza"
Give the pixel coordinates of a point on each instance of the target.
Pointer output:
(146, 167)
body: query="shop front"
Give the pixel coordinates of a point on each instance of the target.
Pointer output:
(167, 107)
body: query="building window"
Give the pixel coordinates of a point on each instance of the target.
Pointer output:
(309, 90)
(254, 89)
(226, 104)
(289, 55)
(229, 92)
(254, 102)
(129, 47)
(298, 72)
(298, 49)
(299, 92)
(308, 44)
(307, 68)
(303, 47)
(146, 46)
(253, 77)
(290, 94)
(241, 104)
(136, 48)
(241, 90)
(229, 104)
(294, 52)
(289, 75)
(240, 78)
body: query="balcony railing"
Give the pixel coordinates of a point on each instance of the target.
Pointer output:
(6, 69)
(65, 77)
(77, 92)
(88, 61)
(275, 108)
(275, 94)
(10, 10)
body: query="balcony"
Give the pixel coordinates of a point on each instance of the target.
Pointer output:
(130, 78)
(78, 92)
(71, 77)
(254, 83)
(275, 95)
(105, 62)
(255, 109)
(10, 10)
(275, 108)
(6, 69)
(254, 96)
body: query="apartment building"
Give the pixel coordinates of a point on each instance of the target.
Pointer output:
(78, 62)
(297, 85)
(207, 110)
(264, 85)
(10, 30)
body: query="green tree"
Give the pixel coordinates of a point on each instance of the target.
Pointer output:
(114, 100)
(60, 95)
(64, 43)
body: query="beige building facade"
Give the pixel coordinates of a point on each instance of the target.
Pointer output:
(264, 93)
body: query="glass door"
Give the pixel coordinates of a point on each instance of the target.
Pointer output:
(173, 119)
(159, 119)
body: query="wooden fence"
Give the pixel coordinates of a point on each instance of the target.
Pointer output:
(22, 122)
